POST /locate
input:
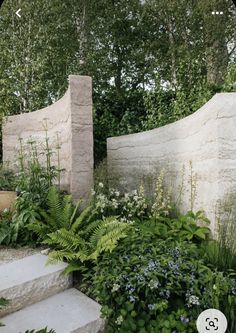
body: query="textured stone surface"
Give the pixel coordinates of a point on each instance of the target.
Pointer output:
(29, 280)
(70, 119)
(67, 312)
(10, 254)
(207, 138)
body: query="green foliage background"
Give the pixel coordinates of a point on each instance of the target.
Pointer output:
(152, 62)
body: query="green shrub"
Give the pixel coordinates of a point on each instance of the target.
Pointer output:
(7, 230)
(7, 179)
(187, 227)
(32, 182)
(134, 205)
(151, 285)
(36, 173)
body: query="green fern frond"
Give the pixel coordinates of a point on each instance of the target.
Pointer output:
(106, 237)
(44, 330)
(49, 219)
(85, 214)
(93, 215)
(102, 228)
(60, 209)
(72, 267)
(86, 233)
(65, 239)
(74, 212)
(70, 256)
(66, 212)
(54, 203)
(60, 214)
(61, 255)
(39, 228)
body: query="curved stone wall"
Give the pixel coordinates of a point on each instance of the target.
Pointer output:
(69, 119)
(207, 138)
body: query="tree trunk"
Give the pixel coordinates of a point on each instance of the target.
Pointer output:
(217, 56)
(217, 62)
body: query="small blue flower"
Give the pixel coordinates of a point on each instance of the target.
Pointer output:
(165, 293)
(173, 265)
(130, 288)
(139, 277)
(184, 320)
(132, 299)
(151, 306)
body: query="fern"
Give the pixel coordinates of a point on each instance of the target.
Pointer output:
(39, 228)
(60, 209)
(88, 214)
(87, 243)
(88, 229)
(76, 240)
(69, 256)
(64, 239)
(98, 231)
(60, 214)
(44, 330)
(74, 212)
(109, 236)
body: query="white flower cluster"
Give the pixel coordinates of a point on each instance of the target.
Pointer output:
(127, 206)
(134, 204)
(119, 320)
(102, 202)
(193, 300)
(116, 287)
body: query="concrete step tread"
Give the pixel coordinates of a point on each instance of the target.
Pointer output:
(26, 269)
(67, 312)
(29, 280)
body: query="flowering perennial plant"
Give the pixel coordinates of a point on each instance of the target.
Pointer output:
(151, 285)
(162, 200)
(128, 206)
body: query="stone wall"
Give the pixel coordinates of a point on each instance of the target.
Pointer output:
(207, 139)
(69, 119)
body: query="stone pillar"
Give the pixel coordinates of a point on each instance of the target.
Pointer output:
(70, 118)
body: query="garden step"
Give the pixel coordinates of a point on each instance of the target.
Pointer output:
(29, 280)
(67, 312)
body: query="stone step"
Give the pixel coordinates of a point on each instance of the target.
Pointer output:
(67, 312)
(29, 280)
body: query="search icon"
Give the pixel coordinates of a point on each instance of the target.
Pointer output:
(211, 323)
(211, 320)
